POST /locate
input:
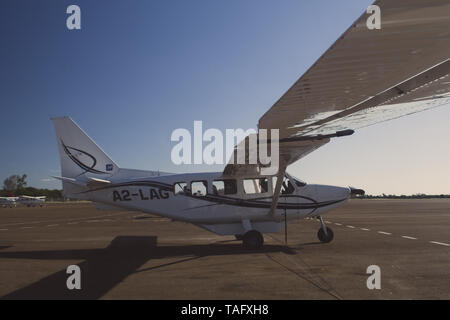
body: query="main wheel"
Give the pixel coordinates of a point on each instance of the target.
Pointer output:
(325, 238)
(253, 240)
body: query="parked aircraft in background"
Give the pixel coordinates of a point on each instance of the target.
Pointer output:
(28, 201)
(6, 202)
(31, 201)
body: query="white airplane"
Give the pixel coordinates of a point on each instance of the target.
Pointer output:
(8, 202)
(366, 77)
(31, 201)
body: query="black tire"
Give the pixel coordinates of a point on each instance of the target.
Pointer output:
(325, 238)
(253, 240)
(238, 236)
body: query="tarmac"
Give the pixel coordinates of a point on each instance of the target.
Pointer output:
(132, 255)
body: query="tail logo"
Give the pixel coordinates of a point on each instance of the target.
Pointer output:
(83, 159)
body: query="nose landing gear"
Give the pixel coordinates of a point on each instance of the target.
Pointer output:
(252, 240)
(324, 234)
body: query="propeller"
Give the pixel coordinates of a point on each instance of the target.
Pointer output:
(356, 192)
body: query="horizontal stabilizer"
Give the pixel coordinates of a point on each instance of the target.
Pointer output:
(70, 180)
(90, 182)
(94, 182)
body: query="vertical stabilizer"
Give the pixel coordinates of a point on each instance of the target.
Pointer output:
(80, 156)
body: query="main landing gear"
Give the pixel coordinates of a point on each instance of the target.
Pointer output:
(324, 234)
(251, 239)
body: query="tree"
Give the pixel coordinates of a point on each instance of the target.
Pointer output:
(15, 182)
(21, 182)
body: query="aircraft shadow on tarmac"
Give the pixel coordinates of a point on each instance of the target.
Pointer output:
(102, 269)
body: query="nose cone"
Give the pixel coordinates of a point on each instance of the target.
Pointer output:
(343, 192)
(327, 193)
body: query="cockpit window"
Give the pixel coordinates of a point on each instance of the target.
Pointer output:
(287, 187)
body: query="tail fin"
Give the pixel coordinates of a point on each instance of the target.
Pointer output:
(80, 156)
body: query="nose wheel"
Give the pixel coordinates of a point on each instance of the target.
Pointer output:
(252, 240)
(324, 234)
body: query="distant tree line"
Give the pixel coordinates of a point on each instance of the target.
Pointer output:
(414, 196)
(15, 185)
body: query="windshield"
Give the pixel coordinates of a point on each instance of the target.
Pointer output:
(298, 182)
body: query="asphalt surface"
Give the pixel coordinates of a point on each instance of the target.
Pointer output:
(131, 255)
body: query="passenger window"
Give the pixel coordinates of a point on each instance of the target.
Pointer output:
(180, 188)
(218, 187)
(260, 185)
(199, 188)
(224, 187)
(230, 186)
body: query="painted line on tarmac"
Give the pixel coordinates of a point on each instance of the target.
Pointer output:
(151, 220)
(3, 229)
(53, 225)
(440, 243)
(389, 234)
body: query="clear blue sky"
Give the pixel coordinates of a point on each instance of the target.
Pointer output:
(140, 69)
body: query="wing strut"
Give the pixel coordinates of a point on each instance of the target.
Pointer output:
(276, 192)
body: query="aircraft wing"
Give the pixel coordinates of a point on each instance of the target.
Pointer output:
(366, 77)
(31, 197)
